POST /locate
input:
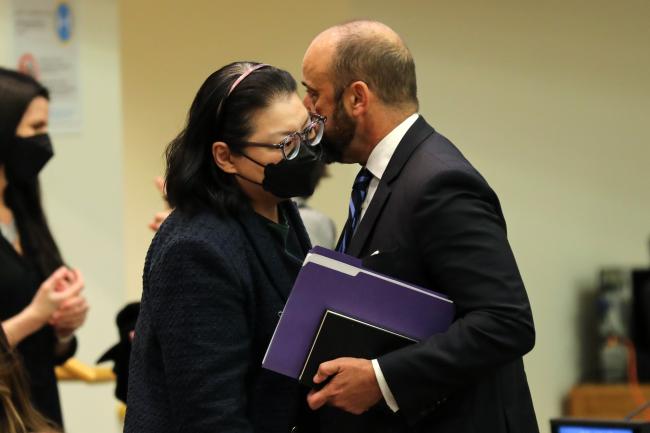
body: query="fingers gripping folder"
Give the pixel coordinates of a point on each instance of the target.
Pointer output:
(331, 282)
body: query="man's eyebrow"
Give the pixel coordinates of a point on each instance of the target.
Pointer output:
(308, 86)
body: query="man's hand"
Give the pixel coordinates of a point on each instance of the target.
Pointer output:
(353, 387)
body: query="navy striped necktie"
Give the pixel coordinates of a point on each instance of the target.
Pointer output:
(359, 192)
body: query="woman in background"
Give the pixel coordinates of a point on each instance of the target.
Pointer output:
(39, 314)
(221, 266)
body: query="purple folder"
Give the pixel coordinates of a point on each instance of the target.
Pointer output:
(334, 281)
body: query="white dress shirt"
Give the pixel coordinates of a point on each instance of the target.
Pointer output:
(377, 163)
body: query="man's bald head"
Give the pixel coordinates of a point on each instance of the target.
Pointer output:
(371, 52)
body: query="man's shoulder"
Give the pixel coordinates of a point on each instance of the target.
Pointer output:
(437, 156)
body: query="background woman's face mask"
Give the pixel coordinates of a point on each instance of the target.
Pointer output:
(27, 157)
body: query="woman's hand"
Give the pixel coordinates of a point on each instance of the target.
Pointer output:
(72, 312)
(52, 293)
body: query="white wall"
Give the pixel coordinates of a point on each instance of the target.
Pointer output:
(83, 196)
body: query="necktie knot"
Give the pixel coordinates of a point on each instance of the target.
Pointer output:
(362, 181)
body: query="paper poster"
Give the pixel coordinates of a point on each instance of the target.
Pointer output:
(46, 47)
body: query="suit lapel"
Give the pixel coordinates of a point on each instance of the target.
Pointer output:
(369, 220)
(413, 137)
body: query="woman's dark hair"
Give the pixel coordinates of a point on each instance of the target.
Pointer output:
(24, 198)
(193, 180)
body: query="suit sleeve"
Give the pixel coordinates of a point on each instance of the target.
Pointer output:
(462, 243)
(201, 322)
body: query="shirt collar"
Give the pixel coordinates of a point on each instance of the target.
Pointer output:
(384, 150)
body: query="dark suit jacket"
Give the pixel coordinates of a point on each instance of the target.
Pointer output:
(213, 290)
(437, 223)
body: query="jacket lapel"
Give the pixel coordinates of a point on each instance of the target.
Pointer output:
(295, 222)
(369, 219)
(267, 252)
(413, 137)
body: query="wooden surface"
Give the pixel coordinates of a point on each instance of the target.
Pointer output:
(74, 369)
(607, 401)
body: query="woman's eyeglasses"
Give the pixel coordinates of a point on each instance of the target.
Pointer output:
(310, 136)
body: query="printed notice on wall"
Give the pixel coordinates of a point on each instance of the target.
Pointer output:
(46, 47)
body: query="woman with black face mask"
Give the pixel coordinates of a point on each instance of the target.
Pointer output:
(41, 303)
(221, 266)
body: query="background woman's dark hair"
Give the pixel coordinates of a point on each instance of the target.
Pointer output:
(193, 180)
(24, 199)
(17, 415)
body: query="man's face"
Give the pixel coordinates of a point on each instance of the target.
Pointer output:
(322, 98)
(337, 138)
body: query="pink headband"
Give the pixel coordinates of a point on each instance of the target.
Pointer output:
(244, 75)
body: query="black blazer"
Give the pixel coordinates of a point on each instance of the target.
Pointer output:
(213, 289)
(437, 223)
(19, 282)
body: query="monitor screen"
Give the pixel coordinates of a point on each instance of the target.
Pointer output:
(589, 429)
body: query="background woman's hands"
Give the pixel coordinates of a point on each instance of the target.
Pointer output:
(72, 312)
(52, 293)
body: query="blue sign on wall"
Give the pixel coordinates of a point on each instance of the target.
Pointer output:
(64, 22)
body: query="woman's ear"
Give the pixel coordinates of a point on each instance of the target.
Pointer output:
(223, 157)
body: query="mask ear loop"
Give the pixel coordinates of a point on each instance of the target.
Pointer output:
(256, 162)
(251, 159)
(247, 179)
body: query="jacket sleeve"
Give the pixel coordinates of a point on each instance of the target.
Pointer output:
(461, 241)
(71, 349)
(201, 320)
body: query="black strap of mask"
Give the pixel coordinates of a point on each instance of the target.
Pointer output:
(247, 179)
(251, 159)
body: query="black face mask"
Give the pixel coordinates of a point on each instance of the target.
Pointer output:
(27, 156)
(295, 177)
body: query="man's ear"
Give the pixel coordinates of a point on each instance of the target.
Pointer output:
(358, 97)
(223, 157)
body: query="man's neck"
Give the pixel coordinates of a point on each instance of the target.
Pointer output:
(380, 125)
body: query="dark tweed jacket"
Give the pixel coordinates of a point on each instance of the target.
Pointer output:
(213, 290)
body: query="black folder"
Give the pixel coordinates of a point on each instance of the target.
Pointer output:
(342, 336)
